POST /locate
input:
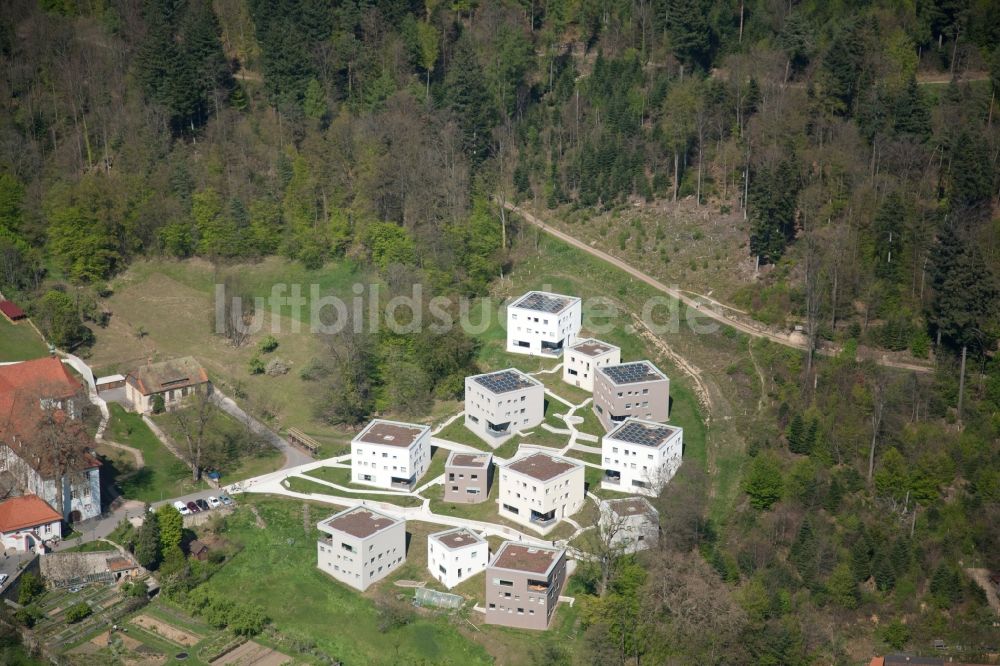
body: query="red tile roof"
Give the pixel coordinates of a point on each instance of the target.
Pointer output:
(26, 511)
(11, 310)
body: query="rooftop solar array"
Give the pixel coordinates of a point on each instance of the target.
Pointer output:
(632, 373)
(504, 381)
(642, 433)
(544, 302)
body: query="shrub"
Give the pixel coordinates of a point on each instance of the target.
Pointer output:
(896, 634)
(31, 588)
(256, 365)
(158, 404)
(28, 616)
(268, 344)
(77, 612)
(764, 483)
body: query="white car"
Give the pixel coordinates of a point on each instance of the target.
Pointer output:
(214, 502)
(182, 508)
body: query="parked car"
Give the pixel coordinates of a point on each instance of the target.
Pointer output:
(226, 499)
(3, 579)
(182, 508)
(202, 504)
(214, 502)
(193, 508)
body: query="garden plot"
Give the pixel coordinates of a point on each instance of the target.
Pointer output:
(165, 630)
(252, 653)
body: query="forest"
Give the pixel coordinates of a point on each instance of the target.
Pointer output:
(853, 146)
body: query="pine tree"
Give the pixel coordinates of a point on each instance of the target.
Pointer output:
(466, 95)
(690, 33)
(861, 558)
(911, 116)
(796, 435)
(971, 176)
(803, 552)
(842, 586)
(147, 543)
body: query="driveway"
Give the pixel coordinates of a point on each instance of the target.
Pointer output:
(293, 456)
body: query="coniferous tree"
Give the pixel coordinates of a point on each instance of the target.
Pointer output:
(147, 543)
(803, 552)
(971, 176)
(796, 435)
(690, 34)
(466, 95)
(911, 116)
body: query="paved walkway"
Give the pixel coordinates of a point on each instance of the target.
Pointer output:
(293, 456)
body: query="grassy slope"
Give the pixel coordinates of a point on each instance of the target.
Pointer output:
(20, 342)
(277, 569)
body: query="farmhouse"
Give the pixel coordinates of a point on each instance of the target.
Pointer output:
(542, 323)
(468, 477)
(583, 358)
(362, 546)
(390, 454)
(12, 312)
(538, 490)
(456, 555)
(523, 584)
(636, 389)
(498, 404)
(44, 447)
(641, 456)
(173, 380)
(631, 523)
(28, 521)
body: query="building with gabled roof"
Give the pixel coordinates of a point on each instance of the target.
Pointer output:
(12, 312)
(44, 446)
(174, 380)
(390, 454)
(583, 357)
(638, 389)
(641, 456)
(499, 404)
(542, 323)
(468, 477)
(361, 546)
(538, 490)
(455, 555)
(27, 521)
(523, 583)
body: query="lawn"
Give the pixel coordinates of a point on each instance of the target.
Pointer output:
(457, 432)
(277, 569)
(583, 455)
(163, 476)
(20, 342)
(231, 434)
(301, 484)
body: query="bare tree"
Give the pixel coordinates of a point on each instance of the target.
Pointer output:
(234, 316)
(878, 391)
(193, 421)
(604, 545)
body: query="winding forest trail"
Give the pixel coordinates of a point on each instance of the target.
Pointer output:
(702, 304)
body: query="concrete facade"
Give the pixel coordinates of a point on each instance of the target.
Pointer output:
(499, 404)
(455, 555)
(638, 390)
(362, 546)
(583, 357)
(538, 490)
(641, 456)
(543, 324)
(390, 454)
(523, 584)
(631, 524)
(468, 477)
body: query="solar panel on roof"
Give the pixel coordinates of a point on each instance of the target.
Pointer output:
(504, 381)
(630, 373)
(634, 432)
(542, 302)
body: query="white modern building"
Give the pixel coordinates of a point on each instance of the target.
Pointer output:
(361, 546)
(390, 454)
(538, 490)
(631, 523)
(456, 555)
(582, 359)
(641, 456)
(542, 323)
(499, 404)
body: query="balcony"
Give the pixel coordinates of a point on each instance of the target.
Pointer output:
(543, 519)
(538, 585)
(498, 429)
(616, 418)
(612, 477)
(402, 484)
(552, 348)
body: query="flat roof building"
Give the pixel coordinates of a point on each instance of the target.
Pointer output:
(499, 404)
(538, 490)
(630, 523)
(390, 454)
(641, 456)
(637, 389)
(362, 546)
(542, 323)
(582, 359)
(523, 584)
(455, 555)
(468, 477)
